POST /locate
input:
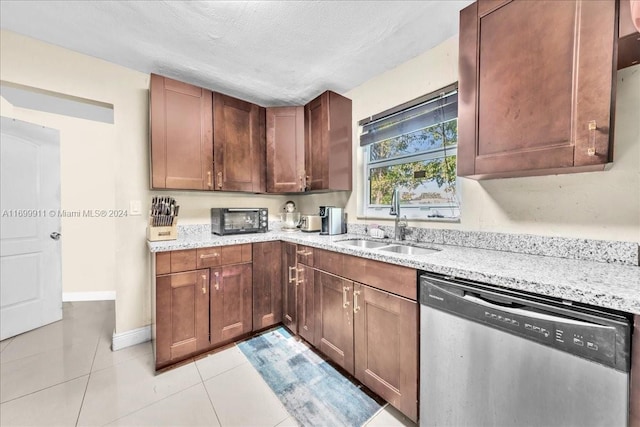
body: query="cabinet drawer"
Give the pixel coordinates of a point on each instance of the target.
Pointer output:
(332, 262)
(392, 278)
(175, 261)
(304, 255)
(224, 255)
(236, 254)
(209, 257)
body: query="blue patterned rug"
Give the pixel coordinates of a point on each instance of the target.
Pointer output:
(313, 392)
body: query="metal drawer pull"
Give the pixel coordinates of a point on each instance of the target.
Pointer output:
(356, 308)
(217, 286)
(204, 283)
(213, 255)
(345, 302)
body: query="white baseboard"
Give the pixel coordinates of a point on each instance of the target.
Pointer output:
(88, 296)
(129, 338)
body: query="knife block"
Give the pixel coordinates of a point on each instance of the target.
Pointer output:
(158, 234)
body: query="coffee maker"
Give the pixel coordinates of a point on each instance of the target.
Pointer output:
(333, 220)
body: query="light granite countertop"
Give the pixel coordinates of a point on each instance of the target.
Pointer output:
(597, 283)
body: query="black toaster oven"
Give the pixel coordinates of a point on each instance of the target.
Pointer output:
(225, 221)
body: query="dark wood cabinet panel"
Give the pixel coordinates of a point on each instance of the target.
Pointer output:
(634, 392)
(533, 75)
(334, 311)
(231, 302)
(267, 284)
(386, 346)
(328, 142)
(285, 150)
(305, 255)
(629, 38)
(306, 307)
(239, 144)
(289, 287)
(181, 135)
(182, 315)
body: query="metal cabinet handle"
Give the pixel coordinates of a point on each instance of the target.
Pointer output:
(301, 183)
(219, 179)
(213, 255)
(345, 302)
(217, 285)
(55, 235)
(291, 279)
(204, 283)
(356, 307)
(209, 180)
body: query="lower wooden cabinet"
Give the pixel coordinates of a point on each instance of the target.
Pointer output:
(203, 298)
(385, 329)
(289, 287)
(231, 297)
(305, 307)
(267, 284)
(182, 301)
(334, 307)
(370, 333)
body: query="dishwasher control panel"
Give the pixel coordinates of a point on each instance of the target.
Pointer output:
(562, 328)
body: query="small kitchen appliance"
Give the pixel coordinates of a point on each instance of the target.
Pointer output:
(333, 220)
(310, 223)
(226, 221)
(290, 218)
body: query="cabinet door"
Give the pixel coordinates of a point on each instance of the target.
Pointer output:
(239, 144)
(289, 287)
(285, 150)
(181, 135)
(386, 346)
(334, 311)
(533, 75)
(231, 296)
(306, 308)
(328, 139)
(267, 284)
(182, 313)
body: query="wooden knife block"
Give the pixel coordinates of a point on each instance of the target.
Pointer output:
(158, 234)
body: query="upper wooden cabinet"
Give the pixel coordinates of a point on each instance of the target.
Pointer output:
(535, 76)
(285, 150)
(181, 135)
(629, 38)
(327, 143)
(238, 144)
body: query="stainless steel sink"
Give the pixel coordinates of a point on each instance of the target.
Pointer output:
(362, 243)
(408, 250)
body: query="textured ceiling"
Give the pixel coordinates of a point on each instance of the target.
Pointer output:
(267, 52)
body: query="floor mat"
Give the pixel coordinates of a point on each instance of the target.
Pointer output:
(313, 392)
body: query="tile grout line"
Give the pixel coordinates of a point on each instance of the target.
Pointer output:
(207, 391)
(44, 388)
(86, 387)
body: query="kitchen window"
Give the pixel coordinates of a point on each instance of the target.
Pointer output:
(413, 147)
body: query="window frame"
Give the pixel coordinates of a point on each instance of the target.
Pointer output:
(412, 212)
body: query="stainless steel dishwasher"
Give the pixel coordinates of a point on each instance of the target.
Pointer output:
(508, 358)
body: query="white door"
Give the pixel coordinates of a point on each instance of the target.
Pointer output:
(30, 272)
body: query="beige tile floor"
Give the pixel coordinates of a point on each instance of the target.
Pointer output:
(65, 374)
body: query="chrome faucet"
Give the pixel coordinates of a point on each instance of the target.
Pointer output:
(400, 226)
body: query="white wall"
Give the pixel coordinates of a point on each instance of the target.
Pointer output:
(105, 166)
(596, 205)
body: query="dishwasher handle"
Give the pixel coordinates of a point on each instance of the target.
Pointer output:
(520, 310)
